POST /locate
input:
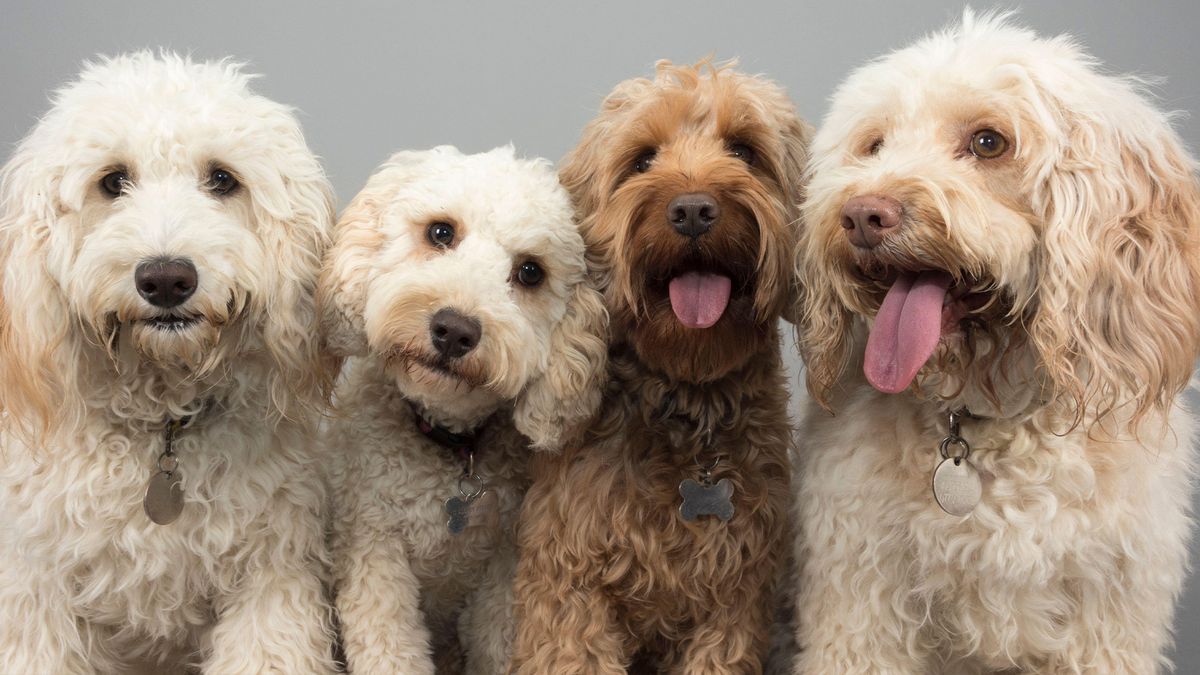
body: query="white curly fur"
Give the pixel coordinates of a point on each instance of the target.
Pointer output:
(87, 583)
(405, 586)
(1085, 238)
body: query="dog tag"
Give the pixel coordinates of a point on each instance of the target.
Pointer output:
(956, 486)
(480, 510)
(164, 497)
(700, 499)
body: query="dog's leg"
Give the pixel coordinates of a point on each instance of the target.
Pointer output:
(274, 616)
(485, 627)
(38, 631)
(729, 644)
(854, 612)
(379, 602)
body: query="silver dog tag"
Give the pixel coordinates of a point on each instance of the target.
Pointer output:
(700, 499)
(480, 510)
(164, 497)
(956, 486)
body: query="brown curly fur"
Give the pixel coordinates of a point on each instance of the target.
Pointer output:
(611, 577)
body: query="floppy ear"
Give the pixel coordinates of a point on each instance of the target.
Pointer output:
(553, 407)
(797, 135)
(1117, 322)
(38, 359)
(300, 209)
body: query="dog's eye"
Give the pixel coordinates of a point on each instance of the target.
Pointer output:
(221, 182)
(988, 144)
(873, 149)
(440, 234)
(742, 152)
(530, 273)
(644, 160)
(114, 183)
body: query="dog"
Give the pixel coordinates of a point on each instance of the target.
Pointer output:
(998, 278)
(655, 544)
(460, 280)
(162, 232)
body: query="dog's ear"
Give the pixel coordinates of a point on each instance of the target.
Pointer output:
(35, 348)
(357, 238)
(554, 406)
(298, 207)
(1117, 322)
(797, 136)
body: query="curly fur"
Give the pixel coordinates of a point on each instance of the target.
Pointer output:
(408, 591)
(1080, 247)
(610, 575)
(86, 382)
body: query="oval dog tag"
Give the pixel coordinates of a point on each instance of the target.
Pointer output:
(164, 497)
(956, 486)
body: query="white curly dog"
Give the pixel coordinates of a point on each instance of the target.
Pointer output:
(162, 233)
(460, 281)
(995, 228)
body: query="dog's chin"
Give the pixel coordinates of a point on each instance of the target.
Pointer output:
(177, 341)
(699, 339)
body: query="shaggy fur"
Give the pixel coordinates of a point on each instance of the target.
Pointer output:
(611, 576)
(405, 585)
(87, 380)
(1071, 328)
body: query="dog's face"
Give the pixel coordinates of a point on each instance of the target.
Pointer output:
(171, 216)
(1007, 220)
(687, 187)
(466, 275)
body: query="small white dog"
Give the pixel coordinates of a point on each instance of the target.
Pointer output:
(460, 280)
(162, 232)
(1000, 269)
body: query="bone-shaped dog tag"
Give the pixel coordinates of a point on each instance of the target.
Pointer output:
(706, 500)
(481, 510)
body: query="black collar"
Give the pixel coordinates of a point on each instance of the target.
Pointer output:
(462, 444)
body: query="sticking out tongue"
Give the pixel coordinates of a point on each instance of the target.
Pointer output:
(699, 300)
(906, 330)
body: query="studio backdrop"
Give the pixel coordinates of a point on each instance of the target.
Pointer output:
(370, 78)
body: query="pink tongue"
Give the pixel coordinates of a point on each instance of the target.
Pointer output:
(906, 331)
(699, 300)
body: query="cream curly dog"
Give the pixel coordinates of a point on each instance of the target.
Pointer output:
(460, 280)
(995, 227)
(162, 232)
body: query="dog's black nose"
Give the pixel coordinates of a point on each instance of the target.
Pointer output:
(693, 214)
(867, 219)
(165, 283)
(453, 334)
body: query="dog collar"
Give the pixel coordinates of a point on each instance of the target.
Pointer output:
(461, 444)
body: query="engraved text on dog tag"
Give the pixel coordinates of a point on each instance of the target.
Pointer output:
(700, 499)
(164, 497)
(956, 486)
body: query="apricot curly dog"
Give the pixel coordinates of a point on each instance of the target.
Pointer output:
(686, 186)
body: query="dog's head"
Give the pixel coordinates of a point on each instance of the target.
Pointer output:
(466, 274)
(166, 219)
(1014, 225)
(687, 188)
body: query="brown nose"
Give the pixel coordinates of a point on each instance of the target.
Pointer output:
(870, 218)
(453, 334)
(693, 214)
(165, 283)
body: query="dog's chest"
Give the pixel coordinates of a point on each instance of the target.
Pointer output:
(82, 516)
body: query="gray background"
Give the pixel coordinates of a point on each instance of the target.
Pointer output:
(375, 77)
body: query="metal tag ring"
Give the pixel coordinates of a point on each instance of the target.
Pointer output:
(944, 448)
(470, 486)
(167, 463)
